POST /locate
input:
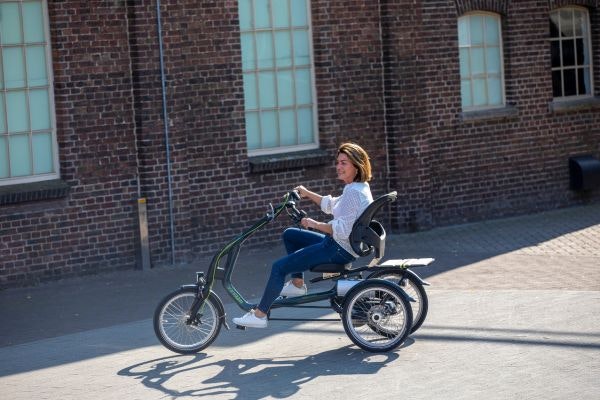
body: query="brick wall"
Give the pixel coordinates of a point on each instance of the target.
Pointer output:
(452, 169)
(111, 133)
(386, 77)
(92, 229)
(215, 195)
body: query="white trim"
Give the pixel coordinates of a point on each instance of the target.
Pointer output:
(50, 77)
(281, 149)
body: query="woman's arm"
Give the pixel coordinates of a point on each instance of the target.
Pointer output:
(304, 192)
(320, 226)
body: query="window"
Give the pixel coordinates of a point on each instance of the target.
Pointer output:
(277, 65)
(481, 65)
(570, 51)
(27, 134)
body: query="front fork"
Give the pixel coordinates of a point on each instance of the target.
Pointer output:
(202, 293)
(198, 301)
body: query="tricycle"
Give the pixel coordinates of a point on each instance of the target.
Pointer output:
(378, 311)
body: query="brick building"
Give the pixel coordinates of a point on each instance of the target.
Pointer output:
(469, 109)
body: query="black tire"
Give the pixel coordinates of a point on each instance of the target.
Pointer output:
(376, 315)
(175, 333)
(413, 287)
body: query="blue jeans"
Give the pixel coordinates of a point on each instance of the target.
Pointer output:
(305, 249)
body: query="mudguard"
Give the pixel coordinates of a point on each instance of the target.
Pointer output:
(403, 271)
(417, 277)
(358, 286)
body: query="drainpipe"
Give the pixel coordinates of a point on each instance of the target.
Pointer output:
(166, 124)
(383, 88)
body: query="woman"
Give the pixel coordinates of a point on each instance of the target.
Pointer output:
(328, 242)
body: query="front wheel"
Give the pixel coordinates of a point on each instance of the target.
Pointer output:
(413, 287)
(177, 331)
(376, 315)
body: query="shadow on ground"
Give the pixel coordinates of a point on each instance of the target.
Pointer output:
(258, 378)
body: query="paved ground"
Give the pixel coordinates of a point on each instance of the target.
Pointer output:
(514, 314)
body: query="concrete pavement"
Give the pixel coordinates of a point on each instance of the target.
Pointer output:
(514, 314)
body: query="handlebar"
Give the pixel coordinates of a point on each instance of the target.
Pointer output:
(295, 214)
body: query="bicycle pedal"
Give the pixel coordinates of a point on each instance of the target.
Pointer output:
(240, 327)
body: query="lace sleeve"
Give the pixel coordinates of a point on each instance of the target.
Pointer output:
(347, 212)
(327, 204)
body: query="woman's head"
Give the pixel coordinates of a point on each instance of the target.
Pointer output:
(352, 163)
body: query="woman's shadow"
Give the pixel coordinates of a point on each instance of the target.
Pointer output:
(252, 378)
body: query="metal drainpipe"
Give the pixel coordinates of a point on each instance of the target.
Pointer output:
(166, 124)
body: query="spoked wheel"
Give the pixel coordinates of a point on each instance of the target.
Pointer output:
(413, 288)
(376, 315)
(180, 333)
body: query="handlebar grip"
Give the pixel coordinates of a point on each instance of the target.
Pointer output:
(295, 195)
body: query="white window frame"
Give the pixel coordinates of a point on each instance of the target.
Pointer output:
(588, 42)
(281, 148)
(471, 77)
(51, 111)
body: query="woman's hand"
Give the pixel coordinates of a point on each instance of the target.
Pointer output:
(305, 193)
(308, 223)
(302, 191)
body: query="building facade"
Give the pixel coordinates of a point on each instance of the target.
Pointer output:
(208, 111)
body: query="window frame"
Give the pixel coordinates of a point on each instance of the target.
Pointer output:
(588, 42)
(501, 74)
(15, 180)
(282, 149)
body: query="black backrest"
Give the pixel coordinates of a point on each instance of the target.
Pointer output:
(368, 234)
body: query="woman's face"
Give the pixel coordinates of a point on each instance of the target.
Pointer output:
(346, 171)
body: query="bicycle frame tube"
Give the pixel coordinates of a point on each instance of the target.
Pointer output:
(307, 298)
(232, 250)
(286, 302)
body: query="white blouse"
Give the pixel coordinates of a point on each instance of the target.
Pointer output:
(346, 209)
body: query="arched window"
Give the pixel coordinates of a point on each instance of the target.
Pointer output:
(481, 61)
(570, 50)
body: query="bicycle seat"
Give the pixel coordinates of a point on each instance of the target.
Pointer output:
(367, 235)
(331, 268)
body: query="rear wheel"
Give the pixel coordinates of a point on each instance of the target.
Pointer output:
(413, 287)
(180, 333)
(376, 316)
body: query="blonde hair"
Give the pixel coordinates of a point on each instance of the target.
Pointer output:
(359, 158)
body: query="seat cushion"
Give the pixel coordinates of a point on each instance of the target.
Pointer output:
(331, 267)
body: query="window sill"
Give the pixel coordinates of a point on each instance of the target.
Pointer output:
(278, 162)
(589, 103)
(492, 113)
(34, 191)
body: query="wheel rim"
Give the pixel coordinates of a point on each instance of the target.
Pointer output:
(409, 288)
(177, 332)
(377, 317)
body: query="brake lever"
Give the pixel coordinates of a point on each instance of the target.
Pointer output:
(271, 212)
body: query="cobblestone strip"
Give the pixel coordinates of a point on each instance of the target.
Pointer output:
(571, 231)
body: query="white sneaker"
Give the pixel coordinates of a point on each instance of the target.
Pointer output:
(291, 290)
(251, 321)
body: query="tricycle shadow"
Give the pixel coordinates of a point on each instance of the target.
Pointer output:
(281, 377)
